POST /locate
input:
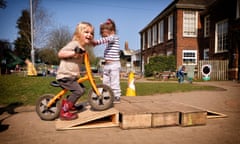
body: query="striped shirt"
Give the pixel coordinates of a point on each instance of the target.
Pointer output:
(112, 50)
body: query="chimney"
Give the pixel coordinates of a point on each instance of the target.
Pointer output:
(126, 46)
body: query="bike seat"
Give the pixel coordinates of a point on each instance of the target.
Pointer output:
(55, 84)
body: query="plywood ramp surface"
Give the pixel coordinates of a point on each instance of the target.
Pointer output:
(91, 119)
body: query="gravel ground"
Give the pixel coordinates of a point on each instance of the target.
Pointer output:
(22, 125)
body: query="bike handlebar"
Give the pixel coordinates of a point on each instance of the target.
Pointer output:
(79, 50)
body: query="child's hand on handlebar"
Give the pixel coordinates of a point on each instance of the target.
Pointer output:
(79, 50)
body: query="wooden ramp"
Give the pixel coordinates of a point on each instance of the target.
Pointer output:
(148, 113)
(90, 119)
(139, 112)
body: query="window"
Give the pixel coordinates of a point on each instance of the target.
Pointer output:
(221, 36)
(238, 9)
(149, 38)
(189, 23)
(206, 54)
(169, 53)
(189, 57)
(170, 27)
(154, 40)
(206, 26)
(160, 32)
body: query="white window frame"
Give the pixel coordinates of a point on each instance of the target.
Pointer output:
(161, 31)
(154, 35)
(221, 36)
(170, 52)
(190, 23)
(149, 39)
(206, 26)
(189, 57)
(170, 27)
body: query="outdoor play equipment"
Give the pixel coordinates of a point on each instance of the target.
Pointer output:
(100, 97)
(206, 71)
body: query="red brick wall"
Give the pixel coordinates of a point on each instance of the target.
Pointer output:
(184, 43)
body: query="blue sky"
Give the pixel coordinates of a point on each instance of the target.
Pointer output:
(130, 16)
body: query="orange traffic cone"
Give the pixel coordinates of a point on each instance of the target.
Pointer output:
(131, 86)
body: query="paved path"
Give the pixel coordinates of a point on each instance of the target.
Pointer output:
(26, 127)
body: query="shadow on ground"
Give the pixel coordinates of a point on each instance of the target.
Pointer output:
(10, 109)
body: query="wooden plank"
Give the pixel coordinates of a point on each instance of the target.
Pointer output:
(165, 119)
(130, 108)
(136, 99)
(162, 113)
(128, 121)
(133, 116)
(190, 115)
(91, 119)
(193, 118)
(147, 114)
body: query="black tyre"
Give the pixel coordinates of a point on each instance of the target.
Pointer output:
(43, 111)
(102, 102)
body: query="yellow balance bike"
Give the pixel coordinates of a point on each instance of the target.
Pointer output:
(100, 97)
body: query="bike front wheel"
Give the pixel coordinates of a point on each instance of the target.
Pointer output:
(47, 113)
(102, 102)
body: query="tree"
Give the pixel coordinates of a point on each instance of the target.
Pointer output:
(41, 24)
(160, 64)
(23, 41)
(59, 37)
(3, 4)
(48, 56)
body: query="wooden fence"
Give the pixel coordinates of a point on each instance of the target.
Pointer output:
(219, 69)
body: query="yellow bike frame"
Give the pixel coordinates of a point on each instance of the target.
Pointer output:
(87, 76)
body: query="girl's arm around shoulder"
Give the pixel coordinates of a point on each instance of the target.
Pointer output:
(103, 40)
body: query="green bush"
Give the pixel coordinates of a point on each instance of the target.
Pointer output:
(160, 64)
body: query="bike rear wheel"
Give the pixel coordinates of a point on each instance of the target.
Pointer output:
(47, 113)
(102, 102)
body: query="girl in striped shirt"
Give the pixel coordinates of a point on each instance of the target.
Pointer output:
(111, 70)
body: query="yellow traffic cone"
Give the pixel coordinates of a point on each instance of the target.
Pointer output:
(131, 86)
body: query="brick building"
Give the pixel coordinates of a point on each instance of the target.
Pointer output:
(220, 36)
(187, 29)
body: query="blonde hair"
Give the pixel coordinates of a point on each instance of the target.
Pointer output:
(80, 28)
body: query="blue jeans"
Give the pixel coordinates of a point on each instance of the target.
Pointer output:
(180, 79)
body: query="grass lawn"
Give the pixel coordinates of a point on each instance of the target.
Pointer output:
(26, 90)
